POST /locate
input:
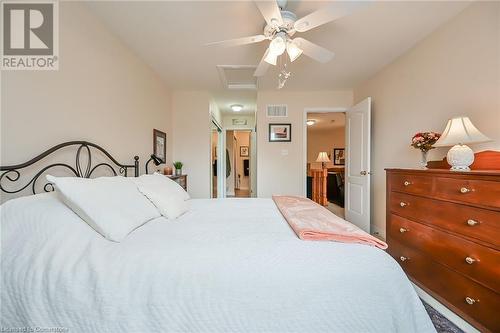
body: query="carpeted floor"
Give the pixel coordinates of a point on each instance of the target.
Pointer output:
(441, 324)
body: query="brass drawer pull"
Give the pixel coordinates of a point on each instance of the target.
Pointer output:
(470, 300)
(403, 259)
(402, 230)
(471, 222)
(470, 260)
(464, 190)
(403, 204)
(406, 183)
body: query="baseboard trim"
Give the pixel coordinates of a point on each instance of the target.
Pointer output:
(450, 315)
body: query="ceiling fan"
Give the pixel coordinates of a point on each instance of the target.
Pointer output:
(281, 25)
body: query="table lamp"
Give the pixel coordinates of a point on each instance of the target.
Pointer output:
(323, 158)
(459, 132)
(156, 161)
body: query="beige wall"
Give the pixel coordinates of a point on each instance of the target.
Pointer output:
(102, 93)
(281, 165)
(454, 71)
(192, 135)
(324, 140)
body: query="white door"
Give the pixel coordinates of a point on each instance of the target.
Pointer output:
(357, 180)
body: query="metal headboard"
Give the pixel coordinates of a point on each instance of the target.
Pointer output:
(11, 173)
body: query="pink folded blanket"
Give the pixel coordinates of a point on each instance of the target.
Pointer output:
(311, 221)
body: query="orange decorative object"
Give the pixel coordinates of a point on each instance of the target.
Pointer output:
(483, 160)
(167, 171)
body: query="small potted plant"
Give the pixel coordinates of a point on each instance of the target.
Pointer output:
(424, 141)
(178, 168)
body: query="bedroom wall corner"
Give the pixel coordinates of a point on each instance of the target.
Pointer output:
(453, 71)
(102, 92)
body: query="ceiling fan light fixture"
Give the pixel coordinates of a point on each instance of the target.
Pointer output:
(277, 45)
(271, 58)
(310, 122)
(236, 107)
(293, 51)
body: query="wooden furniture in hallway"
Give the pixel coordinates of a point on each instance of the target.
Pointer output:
(319, 188)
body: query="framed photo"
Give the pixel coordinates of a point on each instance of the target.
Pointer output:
(244, 151)
(339, 156)
(280, 132)
(160, 144)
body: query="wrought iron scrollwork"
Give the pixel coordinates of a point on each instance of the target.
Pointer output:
(11, 174)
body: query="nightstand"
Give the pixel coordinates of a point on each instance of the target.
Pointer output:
(181, 180)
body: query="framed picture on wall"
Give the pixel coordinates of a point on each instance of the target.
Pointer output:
(280, 132)
(339, 156)
(160, 144)
(244, 151)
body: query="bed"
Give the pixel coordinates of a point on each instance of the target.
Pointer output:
(227, 265)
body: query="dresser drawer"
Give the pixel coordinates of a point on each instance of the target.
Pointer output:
(469, 221)
(481, 192)
(414, 184)
(478, 262)
(450, 287)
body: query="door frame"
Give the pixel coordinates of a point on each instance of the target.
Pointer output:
(224, 131)
(304, 135)
(221, 142)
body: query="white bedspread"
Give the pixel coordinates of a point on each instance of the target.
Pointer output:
(231, 265)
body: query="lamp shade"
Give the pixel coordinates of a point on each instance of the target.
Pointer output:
(156, 160)
(461, 131)
(323, 157)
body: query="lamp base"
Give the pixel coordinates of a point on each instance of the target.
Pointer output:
(460, 157)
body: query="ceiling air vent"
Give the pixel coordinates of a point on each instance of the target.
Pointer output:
(237, 77)
(277, 110)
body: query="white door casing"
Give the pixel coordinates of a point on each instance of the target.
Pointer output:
(253, 164)
(357, 173)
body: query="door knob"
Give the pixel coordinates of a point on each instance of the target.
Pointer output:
(364, 173)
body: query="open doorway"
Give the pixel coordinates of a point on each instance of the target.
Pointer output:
(326, 147)
(239, 147)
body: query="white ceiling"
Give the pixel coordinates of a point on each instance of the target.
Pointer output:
(326, 120)
(169, 36)
(226, 98)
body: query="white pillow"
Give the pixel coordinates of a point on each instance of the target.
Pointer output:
(168, 196)
(111, 205)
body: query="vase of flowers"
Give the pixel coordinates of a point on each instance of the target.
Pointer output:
(424, 141)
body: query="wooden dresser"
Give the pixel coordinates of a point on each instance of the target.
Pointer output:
(443, 228)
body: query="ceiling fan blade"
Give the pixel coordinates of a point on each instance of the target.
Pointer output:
(263, 66)
(271, 12)
(330, 13)
(238, 41)
(314, 51)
